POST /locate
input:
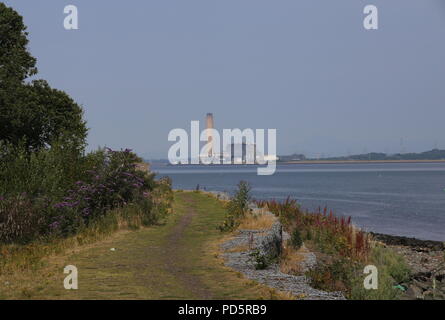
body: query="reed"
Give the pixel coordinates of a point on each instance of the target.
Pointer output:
(329, 233)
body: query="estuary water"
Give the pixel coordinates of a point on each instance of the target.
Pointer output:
(405, 199)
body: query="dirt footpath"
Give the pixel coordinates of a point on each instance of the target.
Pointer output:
(176, 260)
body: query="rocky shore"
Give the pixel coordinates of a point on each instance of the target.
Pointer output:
(409, 242)
(240, 252)
(426, 260)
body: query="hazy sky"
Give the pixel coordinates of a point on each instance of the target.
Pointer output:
(305, 67)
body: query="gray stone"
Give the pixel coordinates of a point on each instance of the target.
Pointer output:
(269, 242)
(414, 292)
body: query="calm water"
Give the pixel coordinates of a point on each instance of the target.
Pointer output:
(402, 199)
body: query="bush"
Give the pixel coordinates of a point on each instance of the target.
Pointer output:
(342, 274)
(334, 274)
(392, 270)
(62, 207)
(48, 172)
(237, 207)
(260, 260)
(48, 187)
(114, 181)
(296, 240)
(21, 219)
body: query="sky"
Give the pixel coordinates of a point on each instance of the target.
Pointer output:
(307, 68)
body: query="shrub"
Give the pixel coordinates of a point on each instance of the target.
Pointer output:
(113, 182)
(260, 260)
(296, 240)
(48, 187)
(237, 207)
(392, 270)
(60, 207)
(45, 173)
(334, 274)
(20, 219)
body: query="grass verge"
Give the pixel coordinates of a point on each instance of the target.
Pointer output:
(179, 259)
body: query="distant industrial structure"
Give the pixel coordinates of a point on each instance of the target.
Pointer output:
(209, 123)
(234, 152)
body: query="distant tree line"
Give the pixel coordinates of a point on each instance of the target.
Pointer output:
(434, 154)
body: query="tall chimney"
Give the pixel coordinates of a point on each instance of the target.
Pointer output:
(209, 121)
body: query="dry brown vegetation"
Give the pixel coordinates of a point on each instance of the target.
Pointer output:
(257, 221)
(291, 259)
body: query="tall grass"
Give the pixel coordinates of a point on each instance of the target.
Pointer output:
(56, 193)
(55, 198)
(342, 252)
(331, 234)
(21, 258)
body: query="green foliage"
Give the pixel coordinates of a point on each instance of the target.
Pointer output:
(48, 172)
(38, 116)
(260, 260)
(242, 196)
(21, 219)
(335, 274)
(237, 207)
(25, 256)
(392, 270)
(342, 274)
(55, 193)
(296, 240)
(15, 60)
(393, 264)
(330, 234)
(32, 115)
(343, 252)
(48, 187)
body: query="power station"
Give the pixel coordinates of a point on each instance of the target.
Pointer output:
(210, 125)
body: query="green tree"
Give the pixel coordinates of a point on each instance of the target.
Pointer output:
(32, 113)
(16, 63)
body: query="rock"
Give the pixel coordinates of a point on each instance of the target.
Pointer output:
(433, 295)
(414, 292)
(270, 243)
(419, 245)
(424, 285)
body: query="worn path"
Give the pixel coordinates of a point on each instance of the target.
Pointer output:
(177, 260)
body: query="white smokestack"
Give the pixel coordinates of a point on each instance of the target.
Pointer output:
(209, 122)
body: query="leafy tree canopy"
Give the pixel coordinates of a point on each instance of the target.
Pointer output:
(31, 113)
(16, 63)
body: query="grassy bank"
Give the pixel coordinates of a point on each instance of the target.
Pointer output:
(178, 259)
(358, 161)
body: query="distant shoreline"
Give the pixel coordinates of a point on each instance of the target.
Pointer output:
(358, 161)
(388, 239)
(301, 162)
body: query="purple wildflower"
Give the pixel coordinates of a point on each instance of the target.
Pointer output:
(54, 225)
